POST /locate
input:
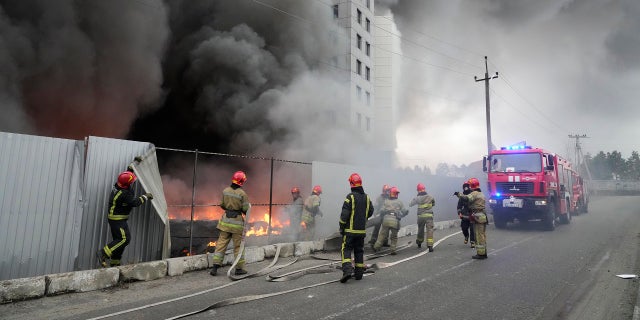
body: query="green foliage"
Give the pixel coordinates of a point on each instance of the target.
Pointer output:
(611, 165)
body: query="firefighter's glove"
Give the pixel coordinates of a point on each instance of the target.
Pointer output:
(148, 196)
(456, 193)
(137, 159)
(130, 168)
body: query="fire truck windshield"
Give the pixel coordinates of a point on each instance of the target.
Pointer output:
(516, 162)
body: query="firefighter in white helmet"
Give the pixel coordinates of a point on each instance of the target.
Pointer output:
(425, 203)
(235, 203)
(478, 215)
(311, 210)
(392, 211)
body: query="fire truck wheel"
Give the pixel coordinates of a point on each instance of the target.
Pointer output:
(500, 222)
(550, 220)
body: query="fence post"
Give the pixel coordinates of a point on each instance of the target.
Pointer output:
(270, 198)
(193, 202)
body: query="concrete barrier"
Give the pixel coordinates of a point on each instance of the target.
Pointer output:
(81, 281)
(22, 289)
(144, 271)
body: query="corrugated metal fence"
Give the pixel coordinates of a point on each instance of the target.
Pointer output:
(53, 203)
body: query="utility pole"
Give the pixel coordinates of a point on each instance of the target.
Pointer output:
(488, 105)
(579, 155)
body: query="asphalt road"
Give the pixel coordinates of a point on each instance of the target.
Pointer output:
(569, 273)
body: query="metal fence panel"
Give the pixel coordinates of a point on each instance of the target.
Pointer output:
(40, 181)
(106, 158)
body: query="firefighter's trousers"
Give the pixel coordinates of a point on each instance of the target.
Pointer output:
(121, 238)
(221, 248)
(425, 223)
(387, 232)
(481, 237)
(308, 230)
(468, 230)
(352, 244)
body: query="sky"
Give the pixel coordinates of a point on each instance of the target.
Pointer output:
(240, 76)
(565, 68)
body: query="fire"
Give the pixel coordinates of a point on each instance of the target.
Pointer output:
(259, 224)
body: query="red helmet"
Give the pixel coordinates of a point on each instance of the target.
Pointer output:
(295, 190)
(355, 180)
(473, 183)
(421, 187)
(125, 179)
(239, 178)
(385, 189)
(393, 192)
(317, 190)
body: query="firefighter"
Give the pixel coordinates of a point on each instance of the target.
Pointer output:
(476, 203)
(295, 212)
(356, 209)
(121, 200)
(463, 213)
(392, 211)
(311, 210)
(425, 203)
(376, 220)
(235, 204)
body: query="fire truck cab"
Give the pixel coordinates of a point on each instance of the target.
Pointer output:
(528, 183)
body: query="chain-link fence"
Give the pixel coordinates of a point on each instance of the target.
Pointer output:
(193, 183)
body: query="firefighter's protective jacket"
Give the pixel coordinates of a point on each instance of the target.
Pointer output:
(121, 201)
(425, 204)
(311, 208)
(235, 203)
(379, 202)
(476, 202)
(356, 209)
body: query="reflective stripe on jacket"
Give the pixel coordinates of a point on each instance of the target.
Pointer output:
(356, 210)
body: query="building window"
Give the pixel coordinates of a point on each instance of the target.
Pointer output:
(335, 11)
(367, 73)
(359, 116)
(359, 93)
(367, 25)
(359, 41)
(359, 17)
(358, 67)
(369, 4)
(368, 124)
(368, 48)
(368, 97)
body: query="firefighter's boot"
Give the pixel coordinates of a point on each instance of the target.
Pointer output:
(479, 256)
(240, 272)
(358, 273)
(102, 258)
(473, 244)
(466, 240)
(214, 270)
(430, 248)
(419, 243)
(347, 272)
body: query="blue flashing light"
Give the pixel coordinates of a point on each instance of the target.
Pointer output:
(516, 147)
(498, 194)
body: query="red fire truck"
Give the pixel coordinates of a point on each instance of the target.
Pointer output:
(528, 183)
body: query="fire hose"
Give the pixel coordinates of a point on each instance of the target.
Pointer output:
(237, 300)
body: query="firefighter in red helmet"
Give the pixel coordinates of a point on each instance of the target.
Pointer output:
(392, 211)
(121, 200)
(294, 210)
(235, 204)
(478, 215)
(376, 219)
(311, 210)
(425, 203)
(356, 209)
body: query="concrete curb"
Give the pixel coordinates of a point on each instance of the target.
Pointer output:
(96, 279)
